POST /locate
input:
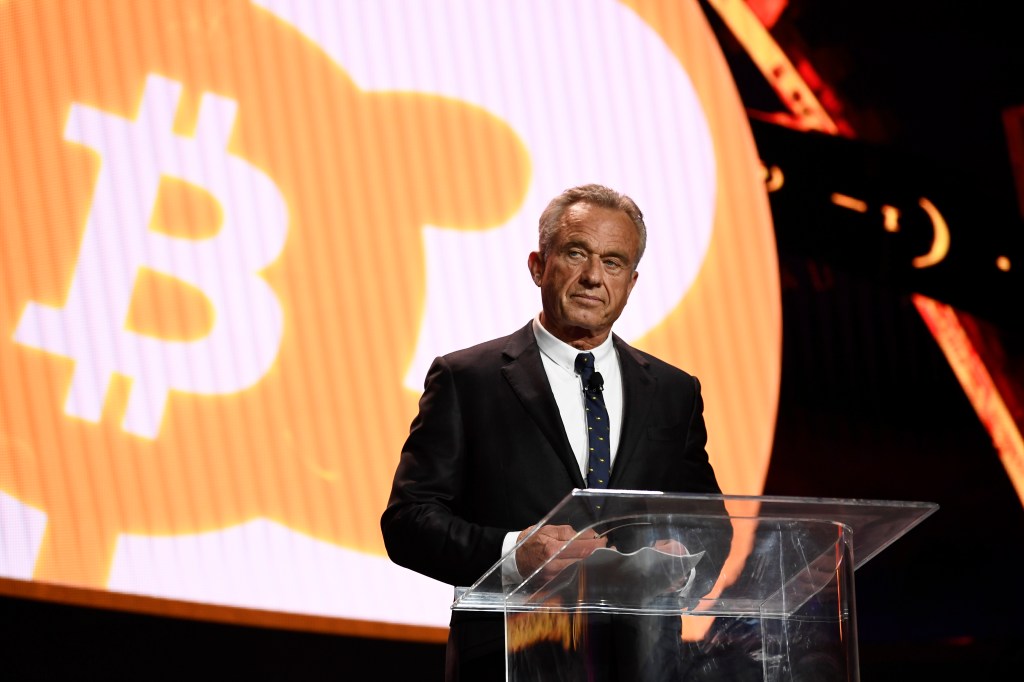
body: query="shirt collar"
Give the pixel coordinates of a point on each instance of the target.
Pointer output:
(564, 355)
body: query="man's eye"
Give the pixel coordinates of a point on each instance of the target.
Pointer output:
(575, 254)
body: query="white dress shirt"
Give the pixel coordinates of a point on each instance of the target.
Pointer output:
(559, 360)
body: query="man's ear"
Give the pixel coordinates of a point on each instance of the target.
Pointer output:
(536, 265)
(632, 282)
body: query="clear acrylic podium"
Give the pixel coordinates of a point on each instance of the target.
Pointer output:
(764, 590)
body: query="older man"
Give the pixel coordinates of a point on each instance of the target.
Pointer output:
(502, 431)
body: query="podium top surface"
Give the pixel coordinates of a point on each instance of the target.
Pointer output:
(743, 554)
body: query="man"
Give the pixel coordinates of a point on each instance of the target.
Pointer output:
(501, 434)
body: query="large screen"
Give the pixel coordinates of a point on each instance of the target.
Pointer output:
(235, 234)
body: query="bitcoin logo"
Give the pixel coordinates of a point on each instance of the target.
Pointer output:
(90, 327)
(169, 365)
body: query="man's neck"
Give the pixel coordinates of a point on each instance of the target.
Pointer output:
(577, 337)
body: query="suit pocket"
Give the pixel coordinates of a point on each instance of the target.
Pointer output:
(667, 433)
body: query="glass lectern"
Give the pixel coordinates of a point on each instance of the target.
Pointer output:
(692, 587)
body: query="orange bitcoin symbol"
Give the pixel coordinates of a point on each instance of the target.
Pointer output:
(167, 367)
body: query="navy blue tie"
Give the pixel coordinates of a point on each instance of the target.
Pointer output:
(599, 432)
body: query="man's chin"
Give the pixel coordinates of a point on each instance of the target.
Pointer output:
(583, 322)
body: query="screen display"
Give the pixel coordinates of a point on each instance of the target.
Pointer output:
(235, 234)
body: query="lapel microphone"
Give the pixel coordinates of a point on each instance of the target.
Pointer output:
(596, 382)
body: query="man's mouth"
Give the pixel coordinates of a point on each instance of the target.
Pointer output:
(586, 299)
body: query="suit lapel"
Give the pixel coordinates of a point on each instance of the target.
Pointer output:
(524, 372)
(638, 388)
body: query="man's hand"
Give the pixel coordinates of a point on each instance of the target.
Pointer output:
(675, 548)
(546, 543)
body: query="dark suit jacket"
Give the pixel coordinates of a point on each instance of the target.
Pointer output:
(487, 454)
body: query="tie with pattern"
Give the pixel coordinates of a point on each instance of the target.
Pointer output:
(598, 426)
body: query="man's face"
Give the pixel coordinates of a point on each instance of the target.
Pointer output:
(588, 274)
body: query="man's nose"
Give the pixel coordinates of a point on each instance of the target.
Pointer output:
(593, 271)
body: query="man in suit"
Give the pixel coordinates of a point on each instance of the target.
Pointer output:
(501, 434)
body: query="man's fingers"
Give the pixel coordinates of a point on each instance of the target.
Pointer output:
(582, 548)
(564, 543)
(556, 566)
(558, 532)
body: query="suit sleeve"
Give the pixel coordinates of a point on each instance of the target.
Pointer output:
(695, 450)
(713, 535)
(423, 525)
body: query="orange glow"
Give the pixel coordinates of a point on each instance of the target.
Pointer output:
(791, 87)
(891, 217)
(978, 385)
(849, 202)
(768, 11)
(529, 629)
(940, 241)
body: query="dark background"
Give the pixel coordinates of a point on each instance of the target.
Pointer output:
(869, 406)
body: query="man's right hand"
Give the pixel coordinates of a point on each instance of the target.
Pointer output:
(547, 542)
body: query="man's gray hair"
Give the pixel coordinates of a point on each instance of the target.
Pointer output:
(595, 195)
